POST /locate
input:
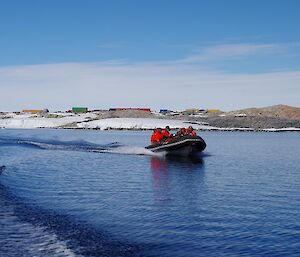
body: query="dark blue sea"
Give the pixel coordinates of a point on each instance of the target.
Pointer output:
(99, 193)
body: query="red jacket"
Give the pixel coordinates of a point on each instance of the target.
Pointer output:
(165, 133)
(156, 137)
(193, 133)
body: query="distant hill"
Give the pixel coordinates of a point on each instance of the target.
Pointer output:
(275, 111)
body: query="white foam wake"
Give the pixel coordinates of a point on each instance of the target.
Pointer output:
(133, 150)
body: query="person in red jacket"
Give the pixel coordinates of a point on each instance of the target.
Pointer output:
(153, 136)
(191, 132)
(156, 136)
(181, 132)
(165, 132)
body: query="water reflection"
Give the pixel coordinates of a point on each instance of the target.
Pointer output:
(159, 168)
(162, 164)
(171, 173)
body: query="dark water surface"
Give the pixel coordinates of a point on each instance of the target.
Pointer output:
(91, 193)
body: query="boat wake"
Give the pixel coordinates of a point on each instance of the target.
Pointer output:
(134, 150)
(34, 231)
(83, 146)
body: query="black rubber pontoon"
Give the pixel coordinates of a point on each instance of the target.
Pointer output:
(186, 145)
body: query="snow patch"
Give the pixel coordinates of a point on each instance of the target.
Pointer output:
(281, 129)
(138, 123)
(29, 121)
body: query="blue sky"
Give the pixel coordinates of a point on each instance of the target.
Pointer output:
(165, 41)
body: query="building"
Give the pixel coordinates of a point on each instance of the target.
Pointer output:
(32, 111)
(164, 111)
(213, 110)
(79, 109)
(130, 109)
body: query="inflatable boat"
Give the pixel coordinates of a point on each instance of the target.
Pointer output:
(184, 146)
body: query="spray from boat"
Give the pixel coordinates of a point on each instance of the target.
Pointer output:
(82, 146)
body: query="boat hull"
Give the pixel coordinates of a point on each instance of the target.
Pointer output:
(183, 146)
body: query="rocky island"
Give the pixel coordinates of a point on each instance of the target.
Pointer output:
(273, 118)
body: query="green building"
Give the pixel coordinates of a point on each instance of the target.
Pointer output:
(79, 109)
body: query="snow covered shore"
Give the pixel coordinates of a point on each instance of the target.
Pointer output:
(92, 121)
(85, 121)
(29, 121)
(139, 123)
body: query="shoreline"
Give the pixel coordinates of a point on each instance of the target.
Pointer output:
(142, 122)
(271, 130)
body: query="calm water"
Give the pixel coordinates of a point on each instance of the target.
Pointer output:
(91, 193)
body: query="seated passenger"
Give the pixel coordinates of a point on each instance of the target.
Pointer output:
(191, 132)
(166, 134)
(181, 132)
(153, 136)
(156, 136)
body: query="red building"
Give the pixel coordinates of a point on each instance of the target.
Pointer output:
(130, 109)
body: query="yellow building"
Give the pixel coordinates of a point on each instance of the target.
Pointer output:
(213, 110)
(32, 111)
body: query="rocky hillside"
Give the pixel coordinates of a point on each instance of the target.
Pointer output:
(275, 111)
(277, 116)
(254, 122)
(125, 114)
